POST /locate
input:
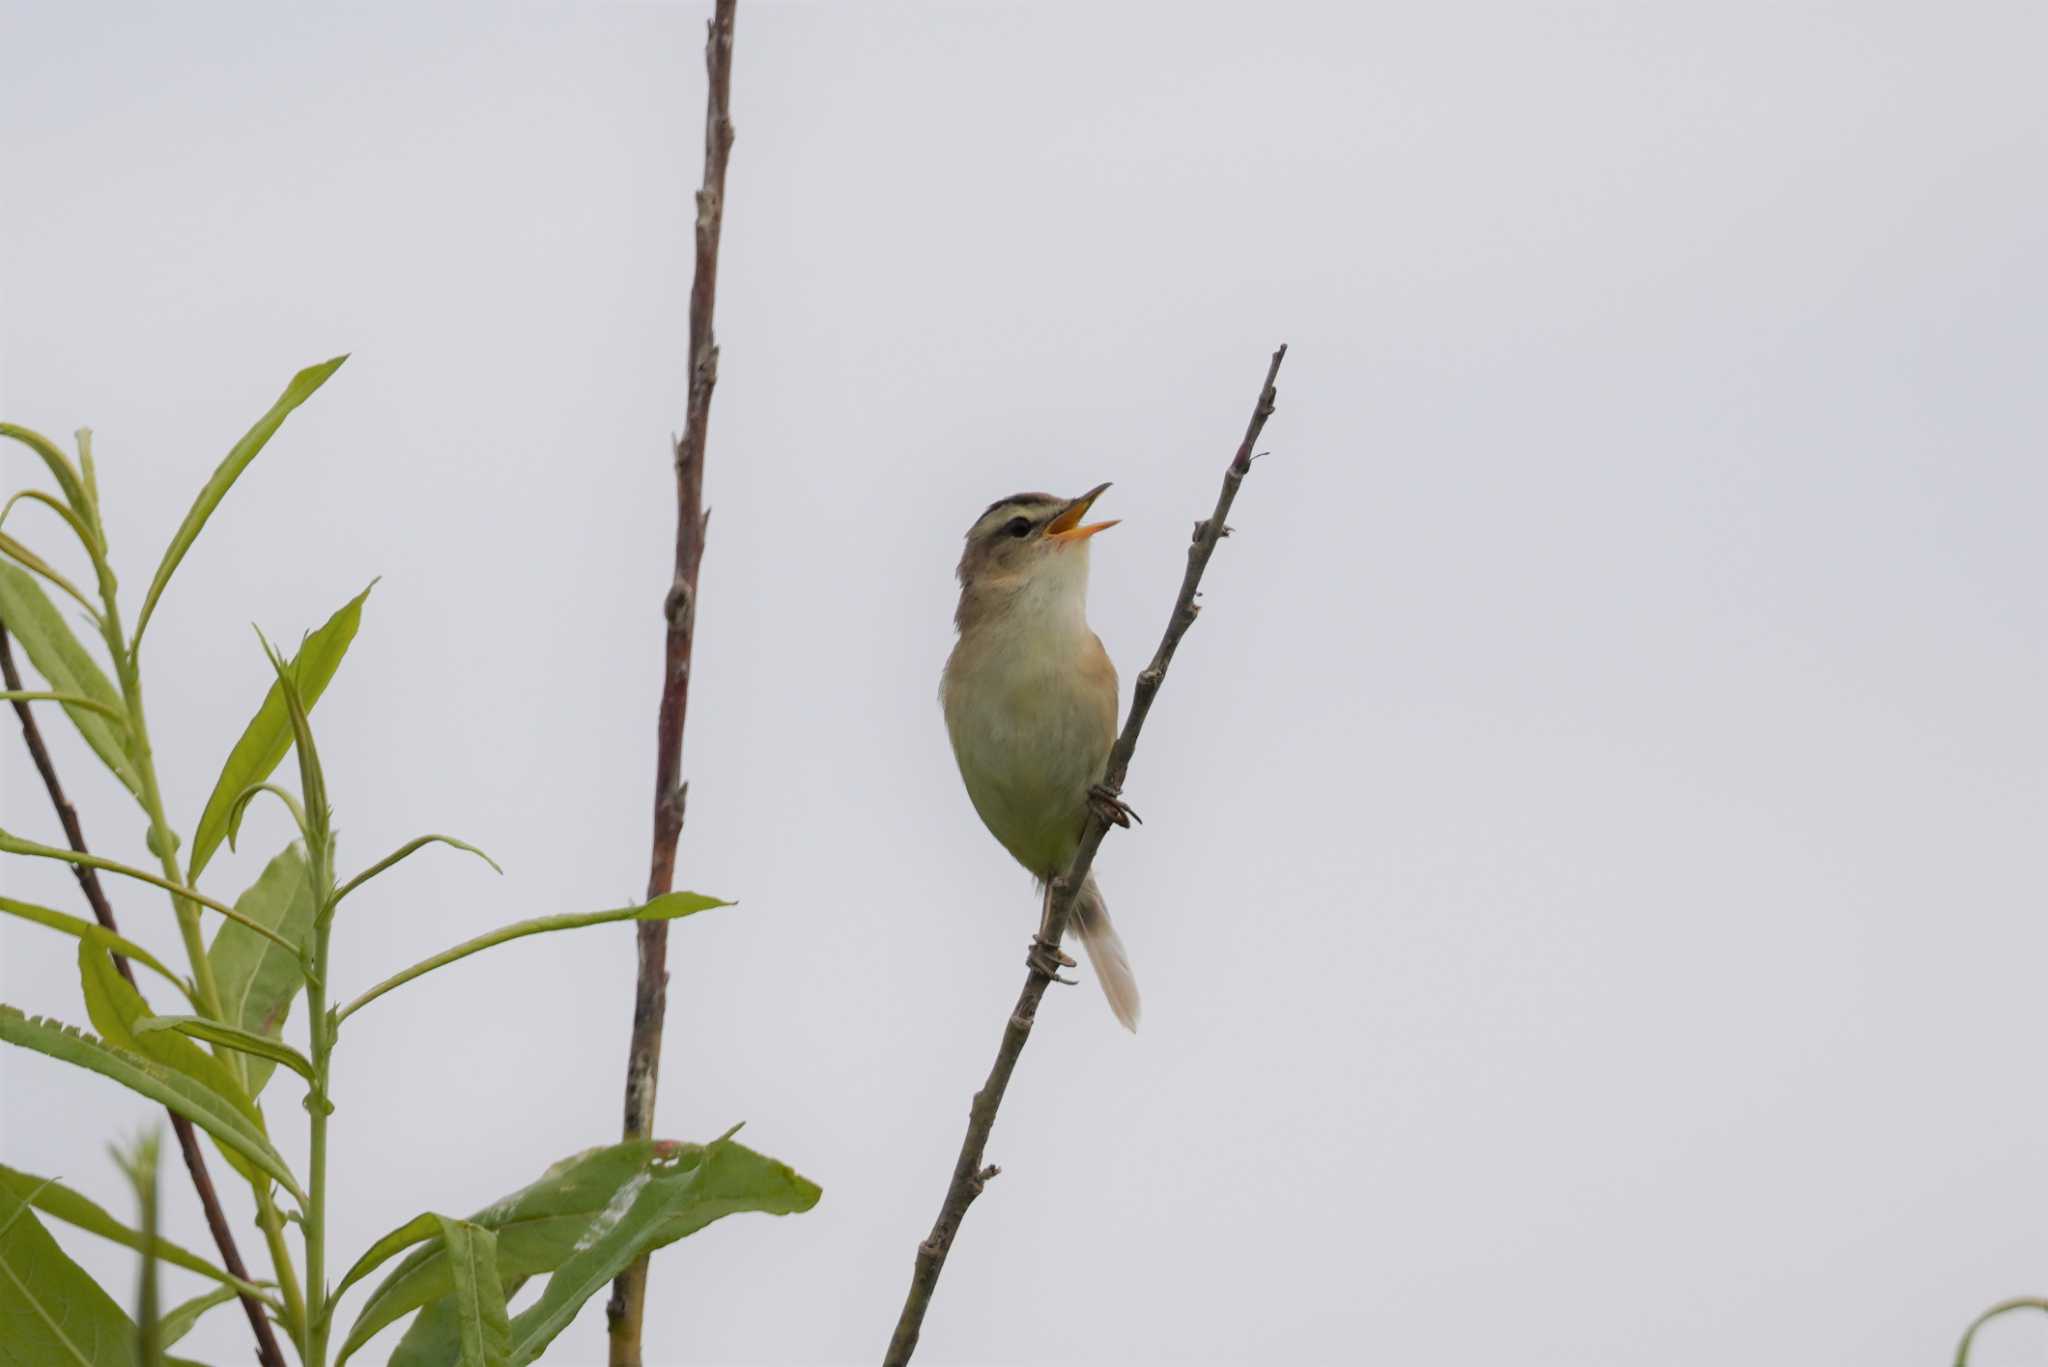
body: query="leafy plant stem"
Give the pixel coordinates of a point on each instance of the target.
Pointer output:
(323, 1027)
(271, 1221)
(268, 1352)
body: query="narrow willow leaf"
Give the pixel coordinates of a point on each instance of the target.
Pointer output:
(14, 844)
(115, 1007)
(482, 1328)
(79, 528)
(224, 476)
(229, 1037)
(80, 928)
(68, 699)
(318, 824)
(654, 1188)
(59, 1202)
(53, 456)
(57, 655)
(411, 847)
(258, 978)
(417, 1230)
(180, 1320)
(433, 1339)
(35, 564)
(51, 1313)
(667, 907)
(117, 1010)
(167, 1087)
(268, 735)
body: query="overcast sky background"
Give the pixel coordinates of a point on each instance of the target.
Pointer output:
(1591, 901)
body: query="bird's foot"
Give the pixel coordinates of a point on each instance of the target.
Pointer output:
(1048, 959)
(1104, 801)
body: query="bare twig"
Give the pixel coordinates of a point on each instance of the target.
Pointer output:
(267, 1350)
(969, 1175)
(679, 608)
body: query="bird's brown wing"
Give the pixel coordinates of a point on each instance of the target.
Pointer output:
(1097, 669)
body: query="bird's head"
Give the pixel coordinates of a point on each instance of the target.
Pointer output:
(1034, 543)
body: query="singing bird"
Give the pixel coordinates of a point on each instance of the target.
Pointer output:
(1030, 699)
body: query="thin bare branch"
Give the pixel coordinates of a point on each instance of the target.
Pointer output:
(267, 1350)
(970, 1176)
(628, 1303)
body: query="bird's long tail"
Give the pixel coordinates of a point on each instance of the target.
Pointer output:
(1106, 953)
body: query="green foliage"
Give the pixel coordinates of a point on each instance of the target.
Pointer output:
(59, 657)
(258, 978)
(59, 1202)
(268, 736)
(165, 1086)
(54, 1314)
(578, 1226)
(93, 932)
(230, 469)
(260, 1047)
(667, 907)
(581, 1224)
(476, 1302)
(179, 1321)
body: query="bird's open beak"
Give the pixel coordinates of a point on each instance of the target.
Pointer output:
(1066, 527)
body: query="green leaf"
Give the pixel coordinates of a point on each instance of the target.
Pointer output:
(224, 476)
(259, 978)
(417, 1230)
(59, 1202)
(60, 467)
(34, 563)
(667, 907)
(641, 1195)
(180, 1320)
(269, 733)
(229, 1037)
(478, 1300)
(2002, 1308)
(730, 1179)
(167, 1087)
(115, 1008)
(410, 847)
(434, 1339)
(64, 663)
(80, 928)
(117, 1011)
(51, 1313)
(14, 844)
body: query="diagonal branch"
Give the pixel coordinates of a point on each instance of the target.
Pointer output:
(969, 1175)
(650, 997)
(267, 1350)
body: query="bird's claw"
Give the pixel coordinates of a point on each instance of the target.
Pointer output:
(1105, 803)
(1049, 960)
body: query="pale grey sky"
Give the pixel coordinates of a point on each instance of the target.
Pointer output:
(1591, 906)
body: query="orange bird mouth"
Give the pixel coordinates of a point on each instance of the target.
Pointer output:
(1066, 526)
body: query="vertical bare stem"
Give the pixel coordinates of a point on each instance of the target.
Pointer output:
(969, 1176)
(267, 1350)
(650, 998)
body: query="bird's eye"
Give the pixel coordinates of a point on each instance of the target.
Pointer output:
(1018, 526)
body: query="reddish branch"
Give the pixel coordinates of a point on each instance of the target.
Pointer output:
(268, 1352)
(969, 1175)
(650, 996)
